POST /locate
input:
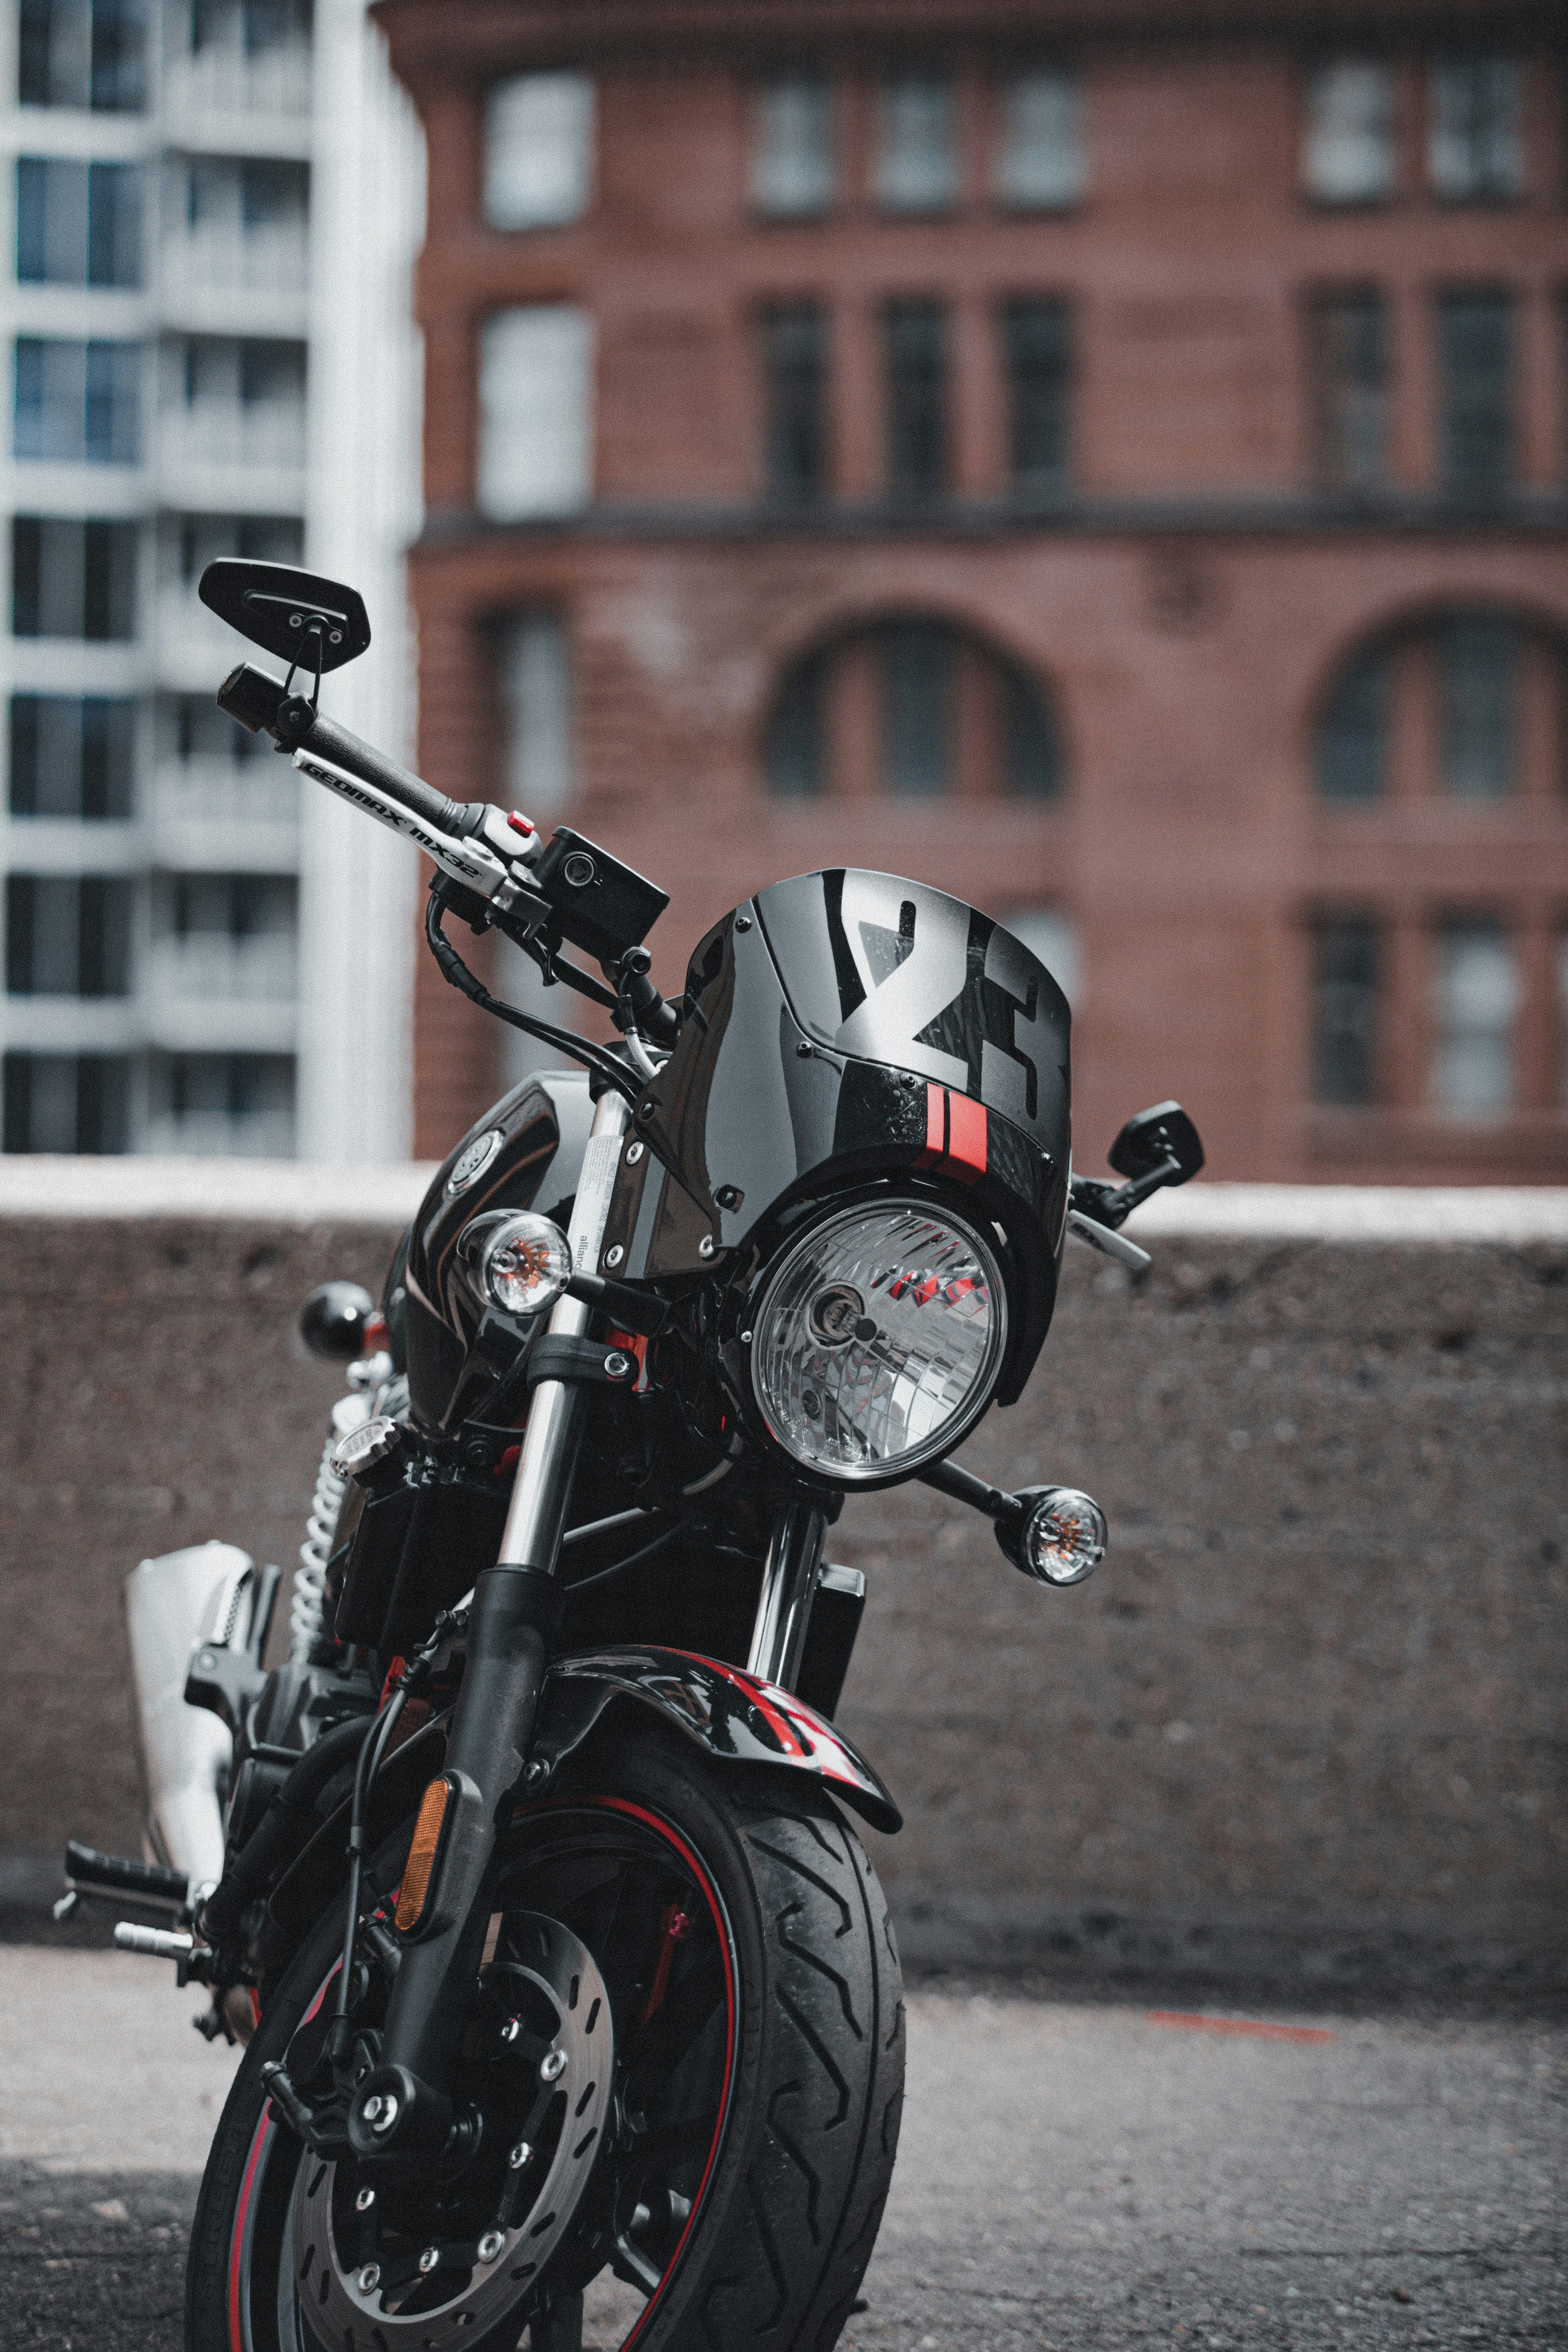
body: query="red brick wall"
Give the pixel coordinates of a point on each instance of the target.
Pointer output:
(1186, 646)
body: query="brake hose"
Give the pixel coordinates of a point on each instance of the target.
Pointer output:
(457, 973)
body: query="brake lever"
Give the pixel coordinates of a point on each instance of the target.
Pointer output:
(473, 862)
(1107, 1241)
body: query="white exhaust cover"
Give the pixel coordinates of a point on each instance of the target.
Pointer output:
(206, 1591)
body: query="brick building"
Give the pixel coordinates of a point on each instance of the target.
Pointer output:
(1106, 457)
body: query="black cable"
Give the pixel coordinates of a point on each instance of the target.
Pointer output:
(457, 973)
(633, 1560)
(369, 1762)
(554, 968)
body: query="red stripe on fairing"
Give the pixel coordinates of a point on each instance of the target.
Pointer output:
(936, 1127)
(966, 1135)
(264, 2130)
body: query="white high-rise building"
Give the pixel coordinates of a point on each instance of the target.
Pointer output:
(208, 211)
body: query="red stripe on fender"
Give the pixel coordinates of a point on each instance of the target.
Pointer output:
(752, 1688)
(966, 1137)
(936, 1127)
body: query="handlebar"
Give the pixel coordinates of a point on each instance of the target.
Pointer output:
(258, 704)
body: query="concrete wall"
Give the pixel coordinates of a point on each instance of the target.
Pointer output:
(1309, 1713)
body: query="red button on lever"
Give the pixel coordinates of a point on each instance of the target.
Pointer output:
(518, 823)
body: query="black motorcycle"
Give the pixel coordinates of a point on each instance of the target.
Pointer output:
(571, 1996)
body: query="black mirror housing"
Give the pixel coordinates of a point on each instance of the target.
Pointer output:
(333, 1321)
(296, 616)
(1152, 1136)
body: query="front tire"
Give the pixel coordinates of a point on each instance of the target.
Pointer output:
(744, 1942)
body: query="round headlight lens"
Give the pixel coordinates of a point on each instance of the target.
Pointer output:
(878, 1340)
(525, 1265)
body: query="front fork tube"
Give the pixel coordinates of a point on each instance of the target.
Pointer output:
(404, 2109)
(790, 1570)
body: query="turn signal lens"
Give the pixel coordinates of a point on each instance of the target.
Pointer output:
(419, 1870)
(525, 1265)
(1064, 1535)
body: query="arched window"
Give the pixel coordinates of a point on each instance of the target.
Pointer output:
(1468, 705)
(914, 708)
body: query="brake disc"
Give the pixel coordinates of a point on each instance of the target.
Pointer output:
(371, 2274)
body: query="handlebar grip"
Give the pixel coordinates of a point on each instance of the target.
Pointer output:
(258, 703)
(330, 741)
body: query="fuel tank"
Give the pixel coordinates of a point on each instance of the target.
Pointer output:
(523, 1154)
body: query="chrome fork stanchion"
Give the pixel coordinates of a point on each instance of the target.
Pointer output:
(515, 1614)
(542, 1489)
(788, 1588)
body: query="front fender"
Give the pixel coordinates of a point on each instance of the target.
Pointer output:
(735, 1717)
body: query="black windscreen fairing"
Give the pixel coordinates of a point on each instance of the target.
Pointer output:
(523, 1154)
(851, 1025)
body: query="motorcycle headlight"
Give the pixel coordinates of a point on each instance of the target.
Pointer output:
(525, 1263)
(878, 1340)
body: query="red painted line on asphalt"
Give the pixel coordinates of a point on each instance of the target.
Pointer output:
(1255, 2026)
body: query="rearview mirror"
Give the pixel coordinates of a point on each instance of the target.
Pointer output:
(315, 624)
(1152, 1136)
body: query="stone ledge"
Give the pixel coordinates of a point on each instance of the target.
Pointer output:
(303, 1192)
(252, 1192)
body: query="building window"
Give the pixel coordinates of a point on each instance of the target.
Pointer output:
(1348, 369)
(1036, 334)
(916, 347)
(192, 728)
(917, 679)
(791, 147)
(535, 412)
(77, 403)
(1352, 740)
(917, 159)
(1347, 145)
(1477, 1001)
(794, 357)
(935, 711)
(1344, 1012)
(73, 579)
(1476, 674)
(794, 755)
(67, 935)
(1475, 355)
(1051, 936)
(74, 755)
(232, 402)
(223, 1104)
(78, 224)
(67, 1102)
(1031, 754)
(538, 150)
(90, 53)
(536, 701)
(188, 543)
(1475, 147)
(1039, 159)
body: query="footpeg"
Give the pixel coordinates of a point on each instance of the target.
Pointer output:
(115, 1877)
(193, 1961)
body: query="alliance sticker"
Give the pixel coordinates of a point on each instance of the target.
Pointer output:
(474, 1159)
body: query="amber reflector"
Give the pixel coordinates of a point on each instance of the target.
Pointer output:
(419, 1869)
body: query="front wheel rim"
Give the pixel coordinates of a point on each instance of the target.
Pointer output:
(654, 2176)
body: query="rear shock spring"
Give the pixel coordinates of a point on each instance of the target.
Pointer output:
(307, 1609)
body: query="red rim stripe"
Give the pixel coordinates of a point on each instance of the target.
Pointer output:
(247, 2189)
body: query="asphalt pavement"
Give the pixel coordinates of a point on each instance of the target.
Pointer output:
(1092, 2175)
